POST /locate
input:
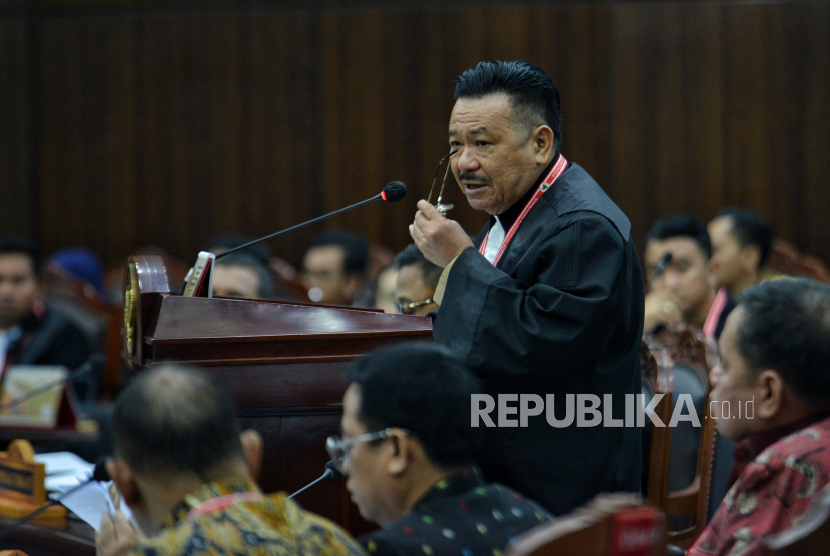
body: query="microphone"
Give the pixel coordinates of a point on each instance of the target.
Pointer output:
(100, 474)
(331, 473)
(661, 267)
(335, 475)
(392, 193)
(95, 361)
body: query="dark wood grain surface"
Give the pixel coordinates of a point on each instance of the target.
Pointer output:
(167, 121)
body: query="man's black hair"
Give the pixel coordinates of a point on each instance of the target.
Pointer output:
(356, 253)
(251, 261)
(423, 388)
(786, 327)
(412, 256)
(682, 225)
(749, 228)
(174, 419)
(18, 245)
(534, 99)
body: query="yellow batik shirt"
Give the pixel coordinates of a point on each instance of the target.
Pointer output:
(271, 525)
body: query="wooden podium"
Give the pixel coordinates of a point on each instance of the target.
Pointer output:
(283, 363)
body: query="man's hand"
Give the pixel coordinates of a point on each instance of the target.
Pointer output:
(439, 239)
(662, 307)
(116, 535)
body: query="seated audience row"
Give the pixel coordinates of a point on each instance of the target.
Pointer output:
(186, 470)
(679, 280)
(335, 270)
(694, 272)
(409, 452)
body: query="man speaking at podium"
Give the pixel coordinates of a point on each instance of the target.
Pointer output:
(549, 300)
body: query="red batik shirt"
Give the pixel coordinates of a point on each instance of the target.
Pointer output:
(772, 491)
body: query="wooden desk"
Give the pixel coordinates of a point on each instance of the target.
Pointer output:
(39, 436)
(78, 539)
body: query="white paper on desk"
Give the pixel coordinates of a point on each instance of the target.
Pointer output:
(64, 470)
(62, 483)
(92, 502)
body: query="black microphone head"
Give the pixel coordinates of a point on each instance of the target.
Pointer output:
(100, 472)
(335, 474)
(394, 191)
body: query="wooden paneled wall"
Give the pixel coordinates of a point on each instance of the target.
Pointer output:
(125, 123)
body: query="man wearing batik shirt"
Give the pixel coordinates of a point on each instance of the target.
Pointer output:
(408, 451)
(772, 397)
(186, 472)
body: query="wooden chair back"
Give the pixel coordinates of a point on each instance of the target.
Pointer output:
(785, 258)
(656, 365)
(81, 302)
(661, 355)
(610, 525)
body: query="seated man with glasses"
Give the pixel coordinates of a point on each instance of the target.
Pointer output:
(408, 451)
(415, 283)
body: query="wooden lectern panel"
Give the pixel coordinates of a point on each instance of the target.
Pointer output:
(283, 363)
(211, 331)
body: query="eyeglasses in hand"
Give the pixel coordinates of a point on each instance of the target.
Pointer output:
(409, 308)
(439, 205)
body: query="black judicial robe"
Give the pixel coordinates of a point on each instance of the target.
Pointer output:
(561, 314)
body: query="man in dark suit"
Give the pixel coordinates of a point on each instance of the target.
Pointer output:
(549, 299)
(31, 334)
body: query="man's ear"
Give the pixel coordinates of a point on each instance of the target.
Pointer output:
(771, 391)
(124, 480)
(751, 257)
(252, 447)
(405, 449)
(543, 146)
